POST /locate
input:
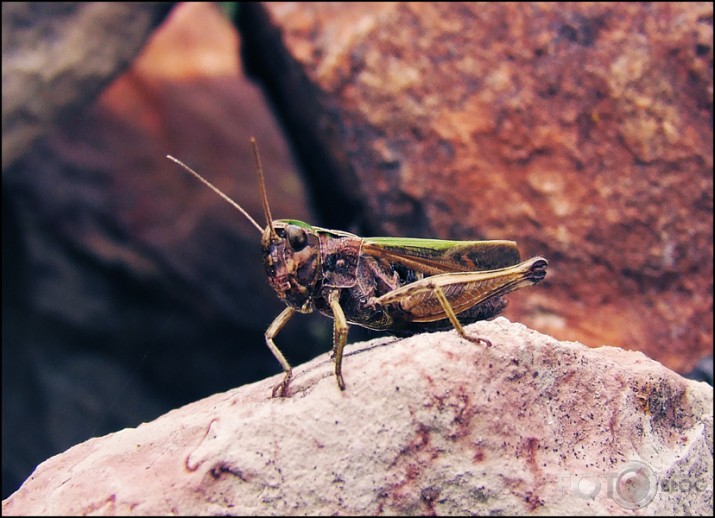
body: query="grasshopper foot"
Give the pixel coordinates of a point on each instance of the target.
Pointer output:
(280, 389)
(341, 383)
(477, 340)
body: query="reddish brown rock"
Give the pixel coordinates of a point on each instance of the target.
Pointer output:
(432, 424)
(583, 131)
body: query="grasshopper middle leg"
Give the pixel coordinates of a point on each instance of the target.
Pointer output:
(340, 335)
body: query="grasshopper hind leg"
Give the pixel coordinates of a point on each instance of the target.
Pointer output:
(474, 295)
(449, 311)
(487, 309)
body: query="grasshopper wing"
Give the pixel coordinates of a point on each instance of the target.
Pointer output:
(436, 256)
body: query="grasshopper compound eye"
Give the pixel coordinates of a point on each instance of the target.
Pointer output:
(296, 237)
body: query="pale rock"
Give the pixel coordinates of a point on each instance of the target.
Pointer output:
(431, 424)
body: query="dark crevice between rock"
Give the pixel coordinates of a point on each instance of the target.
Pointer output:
(313, 132)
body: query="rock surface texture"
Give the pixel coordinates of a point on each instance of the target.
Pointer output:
(431, 424)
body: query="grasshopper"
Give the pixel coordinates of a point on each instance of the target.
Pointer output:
(402, 285)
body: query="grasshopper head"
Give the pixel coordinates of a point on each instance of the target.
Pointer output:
(291, 248)
(291, 256)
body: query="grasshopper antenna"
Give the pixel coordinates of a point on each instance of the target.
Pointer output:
(218, 191)
(262, 185)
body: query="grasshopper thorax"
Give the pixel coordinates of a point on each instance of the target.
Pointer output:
(291, 256)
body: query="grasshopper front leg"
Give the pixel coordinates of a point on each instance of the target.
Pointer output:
(281, 320)
(340, 337)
